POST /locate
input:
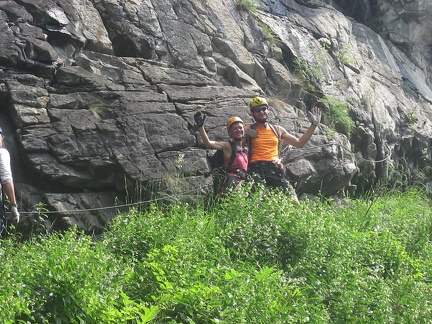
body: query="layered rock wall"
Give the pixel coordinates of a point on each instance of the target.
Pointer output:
(97, 97)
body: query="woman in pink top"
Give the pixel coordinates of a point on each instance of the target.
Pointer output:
(235, 155)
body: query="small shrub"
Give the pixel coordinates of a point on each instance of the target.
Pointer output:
(269, 34)
(344, 55)
(248, 5)
(325, 43)
(64, 279)
(337, 116)
(309, 72)
(99, 110)
(250, 257)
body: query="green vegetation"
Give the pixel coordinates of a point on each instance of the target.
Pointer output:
(310, 73)
(345, 55)
(269, 34)
(248, 258)
(248, 5)
(336, 115)
(99, 109)
(412, 119)
(325, 43)
(251, 7)
(336, 112)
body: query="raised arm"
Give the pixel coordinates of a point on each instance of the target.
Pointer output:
(315, 117)
(214, 145)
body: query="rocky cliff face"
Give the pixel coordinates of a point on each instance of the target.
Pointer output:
(97, 97)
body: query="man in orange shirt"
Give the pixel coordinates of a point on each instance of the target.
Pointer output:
(263, 140)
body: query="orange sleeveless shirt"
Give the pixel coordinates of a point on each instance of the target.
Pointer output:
(265, 147)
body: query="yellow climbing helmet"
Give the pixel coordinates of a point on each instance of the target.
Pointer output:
(258, 101)
(233, 120)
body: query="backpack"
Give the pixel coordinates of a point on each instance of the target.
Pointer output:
(218, 170)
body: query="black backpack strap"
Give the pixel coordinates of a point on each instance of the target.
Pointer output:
(275, 130)
(233, 155)
(253, 127)
(284, 149)
(278, 135)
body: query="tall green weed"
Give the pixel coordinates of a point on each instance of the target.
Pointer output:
(63, 279)
(250, 257)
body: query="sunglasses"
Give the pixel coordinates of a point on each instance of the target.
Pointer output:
(262, 109)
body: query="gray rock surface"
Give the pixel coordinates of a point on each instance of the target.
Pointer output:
(97, 97)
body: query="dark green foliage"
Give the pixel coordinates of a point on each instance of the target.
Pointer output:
(252, 257)
(64, 279)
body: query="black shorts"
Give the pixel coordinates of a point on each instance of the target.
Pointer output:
(272, 174)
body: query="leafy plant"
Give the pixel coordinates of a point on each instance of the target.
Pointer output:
(248, 5)
(251, 7)
(62, 278)
(331, 134)
(250, 257)
(337, 116)
(310, 72)
(325, 43)
(99, 109)
(344, 55)
(269, 34)
(412, 120)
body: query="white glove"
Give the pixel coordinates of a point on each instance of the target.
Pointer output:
(314, 116)
(15, 216)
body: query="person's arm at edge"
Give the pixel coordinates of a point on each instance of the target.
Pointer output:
(9, 190)
(6, 176)
(7, 183)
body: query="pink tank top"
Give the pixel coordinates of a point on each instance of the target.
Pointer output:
(240, 161)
